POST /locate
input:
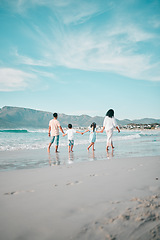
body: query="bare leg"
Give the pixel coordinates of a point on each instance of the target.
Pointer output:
(112, 145)
(71, 148)
(68, 148)
(93, 147)
(49, 147)
(56, 148)
(90, 145)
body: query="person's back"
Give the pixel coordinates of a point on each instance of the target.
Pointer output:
(109, 123)
(70, 133)
(54, 127)
(54, 124)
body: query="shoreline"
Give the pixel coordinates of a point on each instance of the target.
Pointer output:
(40, 158)
(114, 199)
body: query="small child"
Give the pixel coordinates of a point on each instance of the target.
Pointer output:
(70, 133)
(92, 137)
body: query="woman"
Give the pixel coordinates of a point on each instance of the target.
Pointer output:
(108, 124)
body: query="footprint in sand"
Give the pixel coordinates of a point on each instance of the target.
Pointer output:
(93, 175)
(131, 169)
(73, 183)
(19, 192)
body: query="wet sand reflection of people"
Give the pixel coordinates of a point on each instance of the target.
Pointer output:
(70, 157)
(91, 155)
(110, 154)
(53, 160)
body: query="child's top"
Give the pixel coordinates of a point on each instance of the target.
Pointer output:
(109, 123)
(54, 124)
(92, 137)
(70, 133)
(91, 130)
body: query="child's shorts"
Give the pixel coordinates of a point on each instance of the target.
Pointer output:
(70, 142)
(56, 138)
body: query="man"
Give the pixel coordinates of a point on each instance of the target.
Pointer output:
(54, 127)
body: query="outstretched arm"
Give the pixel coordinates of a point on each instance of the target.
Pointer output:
(64, 134)
(102, 129)
(99, 131)
(85, 131)
(118, 129)
(79, 132)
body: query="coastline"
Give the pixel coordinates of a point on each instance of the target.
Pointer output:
(117, 198)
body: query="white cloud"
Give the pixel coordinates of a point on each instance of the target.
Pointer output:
(116, 45)
(30, 61)
(14, 80)
(67, 11)
(113, 51)
(130, 32)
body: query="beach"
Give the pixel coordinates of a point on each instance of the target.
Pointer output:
(112, 199)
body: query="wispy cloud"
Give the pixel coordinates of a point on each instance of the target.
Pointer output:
(14, 80)
(68, 11)
(30, 61)
(119, 47)
(112, 50)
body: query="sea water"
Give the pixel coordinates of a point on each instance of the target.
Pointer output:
(27, 148)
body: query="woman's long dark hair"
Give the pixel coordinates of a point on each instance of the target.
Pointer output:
(93, 125)
(110, 113)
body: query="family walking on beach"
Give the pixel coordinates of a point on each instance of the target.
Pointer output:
(108, 124)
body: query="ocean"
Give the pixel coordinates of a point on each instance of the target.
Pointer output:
(27, 148)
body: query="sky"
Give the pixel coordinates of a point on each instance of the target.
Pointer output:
(81, 56)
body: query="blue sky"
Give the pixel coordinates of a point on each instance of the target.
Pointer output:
(81, 56)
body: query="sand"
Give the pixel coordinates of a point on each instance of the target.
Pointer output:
(112, 199)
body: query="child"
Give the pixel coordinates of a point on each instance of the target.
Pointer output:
(92, 137)
(108, 124)
(70, 133)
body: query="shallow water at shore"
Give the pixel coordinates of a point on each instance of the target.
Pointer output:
(23, 150)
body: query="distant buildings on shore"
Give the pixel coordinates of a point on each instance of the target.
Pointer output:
(131, 126)
(141, 126)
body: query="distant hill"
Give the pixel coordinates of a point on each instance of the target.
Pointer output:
(16, 117)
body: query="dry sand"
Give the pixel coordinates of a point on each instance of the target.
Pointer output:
(115, 199)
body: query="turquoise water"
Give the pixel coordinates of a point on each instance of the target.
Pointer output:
(27, 148)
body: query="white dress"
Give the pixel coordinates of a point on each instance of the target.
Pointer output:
(109, 124)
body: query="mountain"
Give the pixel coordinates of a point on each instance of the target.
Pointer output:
(16, 117)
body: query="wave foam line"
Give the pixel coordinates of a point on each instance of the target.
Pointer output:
(15, 131)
